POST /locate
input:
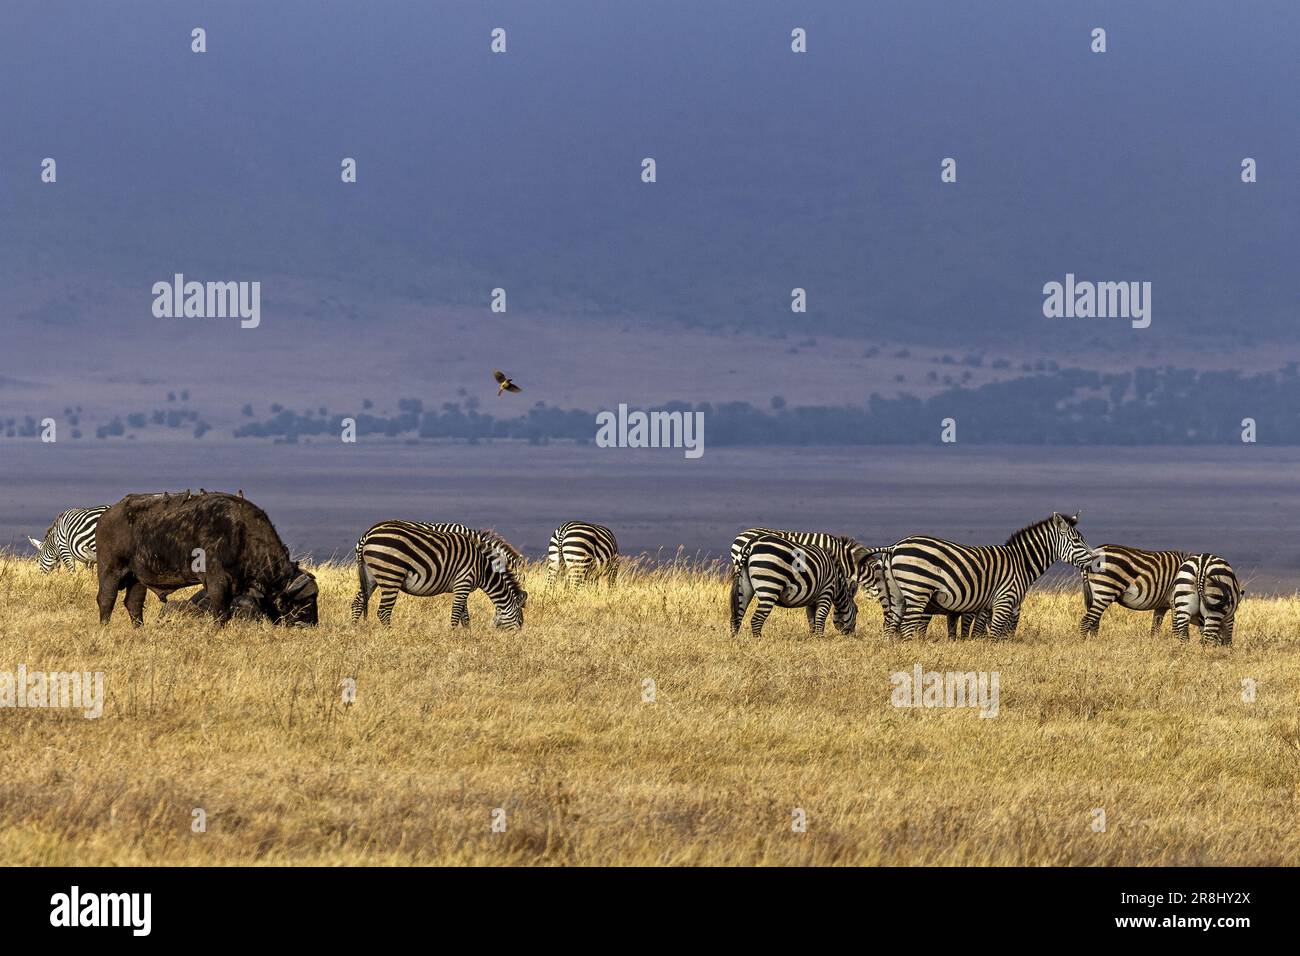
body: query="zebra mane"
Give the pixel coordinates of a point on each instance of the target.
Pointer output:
(495, 538)
(1028, 528)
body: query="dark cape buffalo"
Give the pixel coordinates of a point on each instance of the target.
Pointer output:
(164, 542)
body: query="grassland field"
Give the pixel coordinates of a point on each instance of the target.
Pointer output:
(556, 732)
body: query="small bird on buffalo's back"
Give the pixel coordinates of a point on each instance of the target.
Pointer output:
(504, 384)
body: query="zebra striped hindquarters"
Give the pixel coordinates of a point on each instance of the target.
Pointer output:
(1206, 593)
(877, 578)
(69, 539)
(580, 552)
(854, 558)
(414, 557)
(1136, 579)
(788, 574)
(932, 573)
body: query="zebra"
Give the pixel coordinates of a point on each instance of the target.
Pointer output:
(412, 556)
(1139, 580)
(879, 582)
(69, 539)
(582, 551)
(855, 559)
(788, 574)
(1206, 593)
(501, 549)
(964, 579)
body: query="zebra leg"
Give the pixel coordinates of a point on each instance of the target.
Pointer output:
(1225, 628)
(765, 602)
(1095, 605)
(1181, 620)
(579, 574)
(954, 625)
(1157, 617)
(460, 608)
(1210, 627)
(69, 562)
(741, 594)
(817, 615)
(134, 601)
(387, 598)
(611, 577)
(914, 621)
(365, 588)
(1000, 621)
(360, 605)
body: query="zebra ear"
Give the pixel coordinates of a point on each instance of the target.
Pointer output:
(35, 544)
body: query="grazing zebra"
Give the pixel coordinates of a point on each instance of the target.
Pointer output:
(1139, 580)
(1206, 593)
(413, 557)
(582, 551)
(964, 579)
(502, 549)
(853, 557)
(71, 538)
(787, 574)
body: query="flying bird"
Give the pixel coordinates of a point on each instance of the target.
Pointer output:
(504, 384)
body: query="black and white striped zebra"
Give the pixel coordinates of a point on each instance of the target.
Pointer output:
(413, 557)
(1136, 579)
(853, 556)
(69, 539)
(783, 573)
(931, 573)
(581, 552)
(501, 549)
(878, 581)
(1206, 593)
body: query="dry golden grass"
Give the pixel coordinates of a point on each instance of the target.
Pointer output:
(549, 724)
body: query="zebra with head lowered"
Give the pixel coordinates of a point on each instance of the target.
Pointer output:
(581, 551)
(1206, 593)
(784, 573)
(502, 549)
(71, 538)
(414, 557)
(852, 556)
(1136, 579)
(933, 573)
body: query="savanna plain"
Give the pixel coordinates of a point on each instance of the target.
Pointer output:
(626, 726)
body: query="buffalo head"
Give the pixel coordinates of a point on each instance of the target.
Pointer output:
(296, 604)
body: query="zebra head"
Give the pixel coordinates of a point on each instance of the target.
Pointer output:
(508, 599)
(845, 610)
(46, 550)
(1069, 546)
(869, 569)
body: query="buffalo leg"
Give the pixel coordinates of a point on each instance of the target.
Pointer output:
(110, 582)
(134, 601)
(219, 589)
